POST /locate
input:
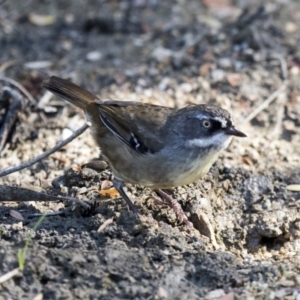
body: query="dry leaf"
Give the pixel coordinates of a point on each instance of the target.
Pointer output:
(41, 20)
(15, 214)
(111, 192)
(247, 160)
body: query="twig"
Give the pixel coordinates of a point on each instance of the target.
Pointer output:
(45, 99)
(282, 62)
(8, 64)
(181, 252)
(49, 214)
(276, 131)
(18, 86)
(9, 275)
(105, 224)
(267, 102)
(17, 193)
(45, 154)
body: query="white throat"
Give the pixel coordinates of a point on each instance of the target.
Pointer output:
(220, 141)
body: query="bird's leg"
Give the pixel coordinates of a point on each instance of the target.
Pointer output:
(118, 184)
(176, 207)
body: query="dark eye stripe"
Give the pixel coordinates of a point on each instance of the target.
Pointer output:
(216, 125)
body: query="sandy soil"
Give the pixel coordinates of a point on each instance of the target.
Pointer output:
(245, 240)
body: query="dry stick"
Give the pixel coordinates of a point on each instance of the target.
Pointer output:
(16, 193)
(47, 153)
(276, 131)
(267, 102)
(19, 87)
(283, 64)
(49, 214)
(105, 224)
(8, 64)
(9, 275)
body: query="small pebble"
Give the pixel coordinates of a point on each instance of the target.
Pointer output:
(162, 54)
(225, 63)
(217, 75)
(215, 294)
(66, 133)
(94, 56)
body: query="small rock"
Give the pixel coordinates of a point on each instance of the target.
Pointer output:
(202, 224)
(94, 56)
(217, 75)
(162, 54)
(204, 69)
(225, 63)
(66, 133)
(282, 293)
(82, 190)
(131, 72)
(50, 109)
(293, 187)
(97, 165)
(17, 226)
(64, 190)
(287, 283)
(164, 83)
(238, 66)
(290, 27)
(38, 64)
(215, 294)
(186, 87)
(162, 293)
(234, 79)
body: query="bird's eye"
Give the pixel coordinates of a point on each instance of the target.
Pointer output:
(206, 124)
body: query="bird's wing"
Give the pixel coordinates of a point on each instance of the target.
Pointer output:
(136, 124)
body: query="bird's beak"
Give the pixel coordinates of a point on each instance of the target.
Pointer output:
(233, 131)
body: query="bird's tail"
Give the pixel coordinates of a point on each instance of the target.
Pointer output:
(69, 91)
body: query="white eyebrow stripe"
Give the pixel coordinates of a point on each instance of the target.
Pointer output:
(223, 121)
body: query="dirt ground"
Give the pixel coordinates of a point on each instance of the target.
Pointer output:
(236, 54)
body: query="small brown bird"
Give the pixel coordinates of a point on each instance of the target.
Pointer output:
(151, 145)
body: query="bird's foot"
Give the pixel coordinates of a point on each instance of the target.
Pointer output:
(174, 205)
